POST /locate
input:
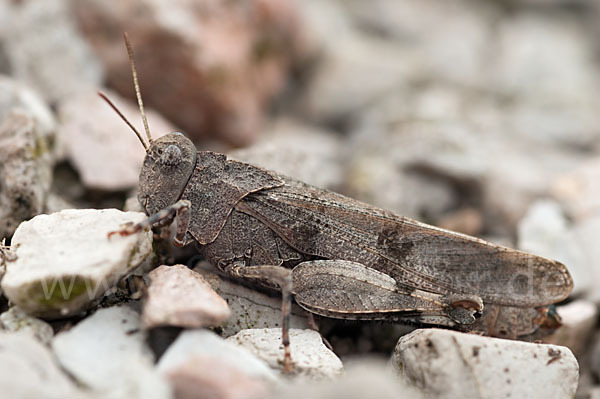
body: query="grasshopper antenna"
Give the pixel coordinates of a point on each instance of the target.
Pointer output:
(114, 107)
(137, 85)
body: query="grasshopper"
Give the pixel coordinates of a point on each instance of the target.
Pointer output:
(336, 256)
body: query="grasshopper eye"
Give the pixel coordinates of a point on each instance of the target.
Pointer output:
(171, 155)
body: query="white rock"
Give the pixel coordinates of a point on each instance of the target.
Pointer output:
(310, 356)
(205, 344)
(578, 190)
(249, 308)
(578, 321)
(594, 393)
(584, 236)
(105, 152)
(362, 378)
(14, 95)
(15, 320)
(544, 231)
(449, 364)
(178, 296)
(107, 353)
(28, 370)
(45, 49)
(65, 260)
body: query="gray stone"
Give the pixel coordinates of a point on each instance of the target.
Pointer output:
(249, 308)
(545, 56)
(107, 353)
(44, 48)
(433, 33)
(353, 74)
(310, 356)
(26, 136)
(432, 149)
(65, 260)
(449, 364)
(28, 370)
(15, 320)
(436, 158)
(180, 297)
(309, 154)
(200, 359)
(105, 152)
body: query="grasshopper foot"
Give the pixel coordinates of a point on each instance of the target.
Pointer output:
(180, 209)
(283, 278)
(464, 308)
(127, 229)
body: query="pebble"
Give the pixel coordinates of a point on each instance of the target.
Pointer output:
(107, 353)
(180, 297)
(101, 147)
(15, 320)
(449, 364)
(65, 260)
(310, 356)
(26, 136)
(44, 48)
(29, 370)
(202, 360)
(249, 308)
(239, 54)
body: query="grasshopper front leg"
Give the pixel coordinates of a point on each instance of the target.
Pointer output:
(5, 254)
(179, 210)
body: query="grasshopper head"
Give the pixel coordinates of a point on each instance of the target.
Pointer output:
(169, 163)
(170, 159)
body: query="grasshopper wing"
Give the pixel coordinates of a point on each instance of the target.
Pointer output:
(416, 255)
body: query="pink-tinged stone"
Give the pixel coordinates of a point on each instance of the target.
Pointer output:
(103, 149)
(178, 296)
(210, 377)
(209, 66)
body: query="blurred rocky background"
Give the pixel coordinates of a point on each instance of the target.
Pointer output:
(479, 116)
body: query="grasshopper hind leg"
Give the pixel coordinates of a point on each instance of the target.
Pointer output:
(282, 277)
(349, 290)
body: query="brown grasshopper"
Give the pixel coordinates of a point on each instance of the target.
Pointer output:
(337, 256)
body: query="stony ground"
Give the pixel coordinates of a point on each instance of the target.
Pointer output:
(476, 116)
